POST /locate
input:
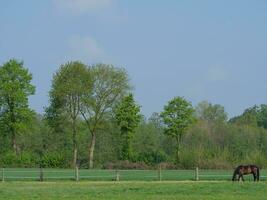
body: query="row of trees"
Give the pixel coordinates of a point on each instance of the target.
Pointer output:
(93, 120)
(85, 92)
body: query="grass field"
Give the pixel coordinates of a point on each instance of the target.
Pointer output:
(124, 175)
(134, 184)
(69, 190)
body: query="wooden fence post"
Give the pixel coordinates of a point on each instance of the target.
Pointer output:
(76, 173)
(159, 174)
(41, 174)
(196, 174)
(117, 175)
(3, 174)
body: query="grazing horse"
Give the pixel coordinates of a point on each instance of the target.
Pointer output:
(244, 170)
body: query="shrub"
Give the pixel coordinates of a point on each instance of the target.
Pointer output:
(53, 160)
(153, 157)
(10, 159)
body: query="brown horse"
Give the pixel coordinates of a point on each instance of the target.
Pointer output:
(244, 170)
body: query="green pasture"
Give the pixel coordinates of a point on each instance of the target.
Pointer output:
(134, 190)
(19, 174)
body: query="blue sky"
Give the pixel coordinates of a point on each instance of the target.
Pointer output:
(203, 50)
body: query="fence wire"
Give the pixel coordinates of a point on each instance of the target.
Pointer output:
(118, 175)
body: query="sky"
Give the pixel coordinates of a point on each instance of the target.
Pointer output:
(214, 50)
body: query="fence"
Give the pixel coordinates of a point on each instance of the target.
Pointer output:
(118, 175)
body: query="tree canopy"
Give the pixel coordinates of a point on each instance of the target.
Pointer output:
(110, 84)
(71, 86)
(127, 117)
(92, 120)
(211, 113)
(177, 117)
(15, 88)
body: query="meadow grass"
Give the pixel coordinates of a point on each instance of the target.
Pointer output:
(20, 174)
(134, 190)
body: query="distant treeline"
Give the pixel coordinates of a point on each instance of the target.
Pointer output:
(93, 121)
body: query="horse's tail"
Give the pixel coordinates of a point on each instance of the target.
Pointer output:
(258, 173)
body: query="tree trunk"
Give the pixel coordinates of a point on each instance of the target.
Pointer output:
(126, 147)
(14, 143)
(91, 151)
(74, 140)
(178, 140)
(75, 156)
(13, 134)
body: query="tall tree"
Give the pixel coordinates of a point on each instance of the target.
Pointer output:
(110, 84)
(15, 88)
(71, 84)
(211, 113)
(177, 117)
(127, 117)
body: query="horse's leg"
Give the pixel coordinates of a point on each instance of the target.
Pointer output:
(242, 178)
(254, 176)
(234, 177)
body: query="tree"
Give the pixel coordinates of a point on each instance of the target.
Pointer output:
(262, 116)
(127, 117)
(110, 84)
(58, 138)
(148, 141)
(253, 116)
(177, 117)
(71, 85)
(156, 120)
(15, 88)
(248, 118)
(211, 113)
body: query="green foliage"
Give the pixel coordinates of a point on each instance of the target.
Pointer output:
(177, 117)
(11, 159)
(110, 84)
(211, 113)
(127, 117)
(152, 157)
(253, 116)
(53, 160)
(15, 88)
(249, 117)
(148, 142)
(71, 86)
(262, 116)
(90, 112)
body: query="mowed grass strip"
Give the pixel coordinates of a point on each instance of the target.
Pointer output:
(206, 190)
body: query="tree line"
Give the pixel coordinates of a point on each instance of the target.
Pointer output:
(92, 120)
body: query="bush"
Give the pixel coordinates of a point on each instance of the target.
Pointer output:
(10, 159)
(27, 159)
(53, 160)
(153, 157)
